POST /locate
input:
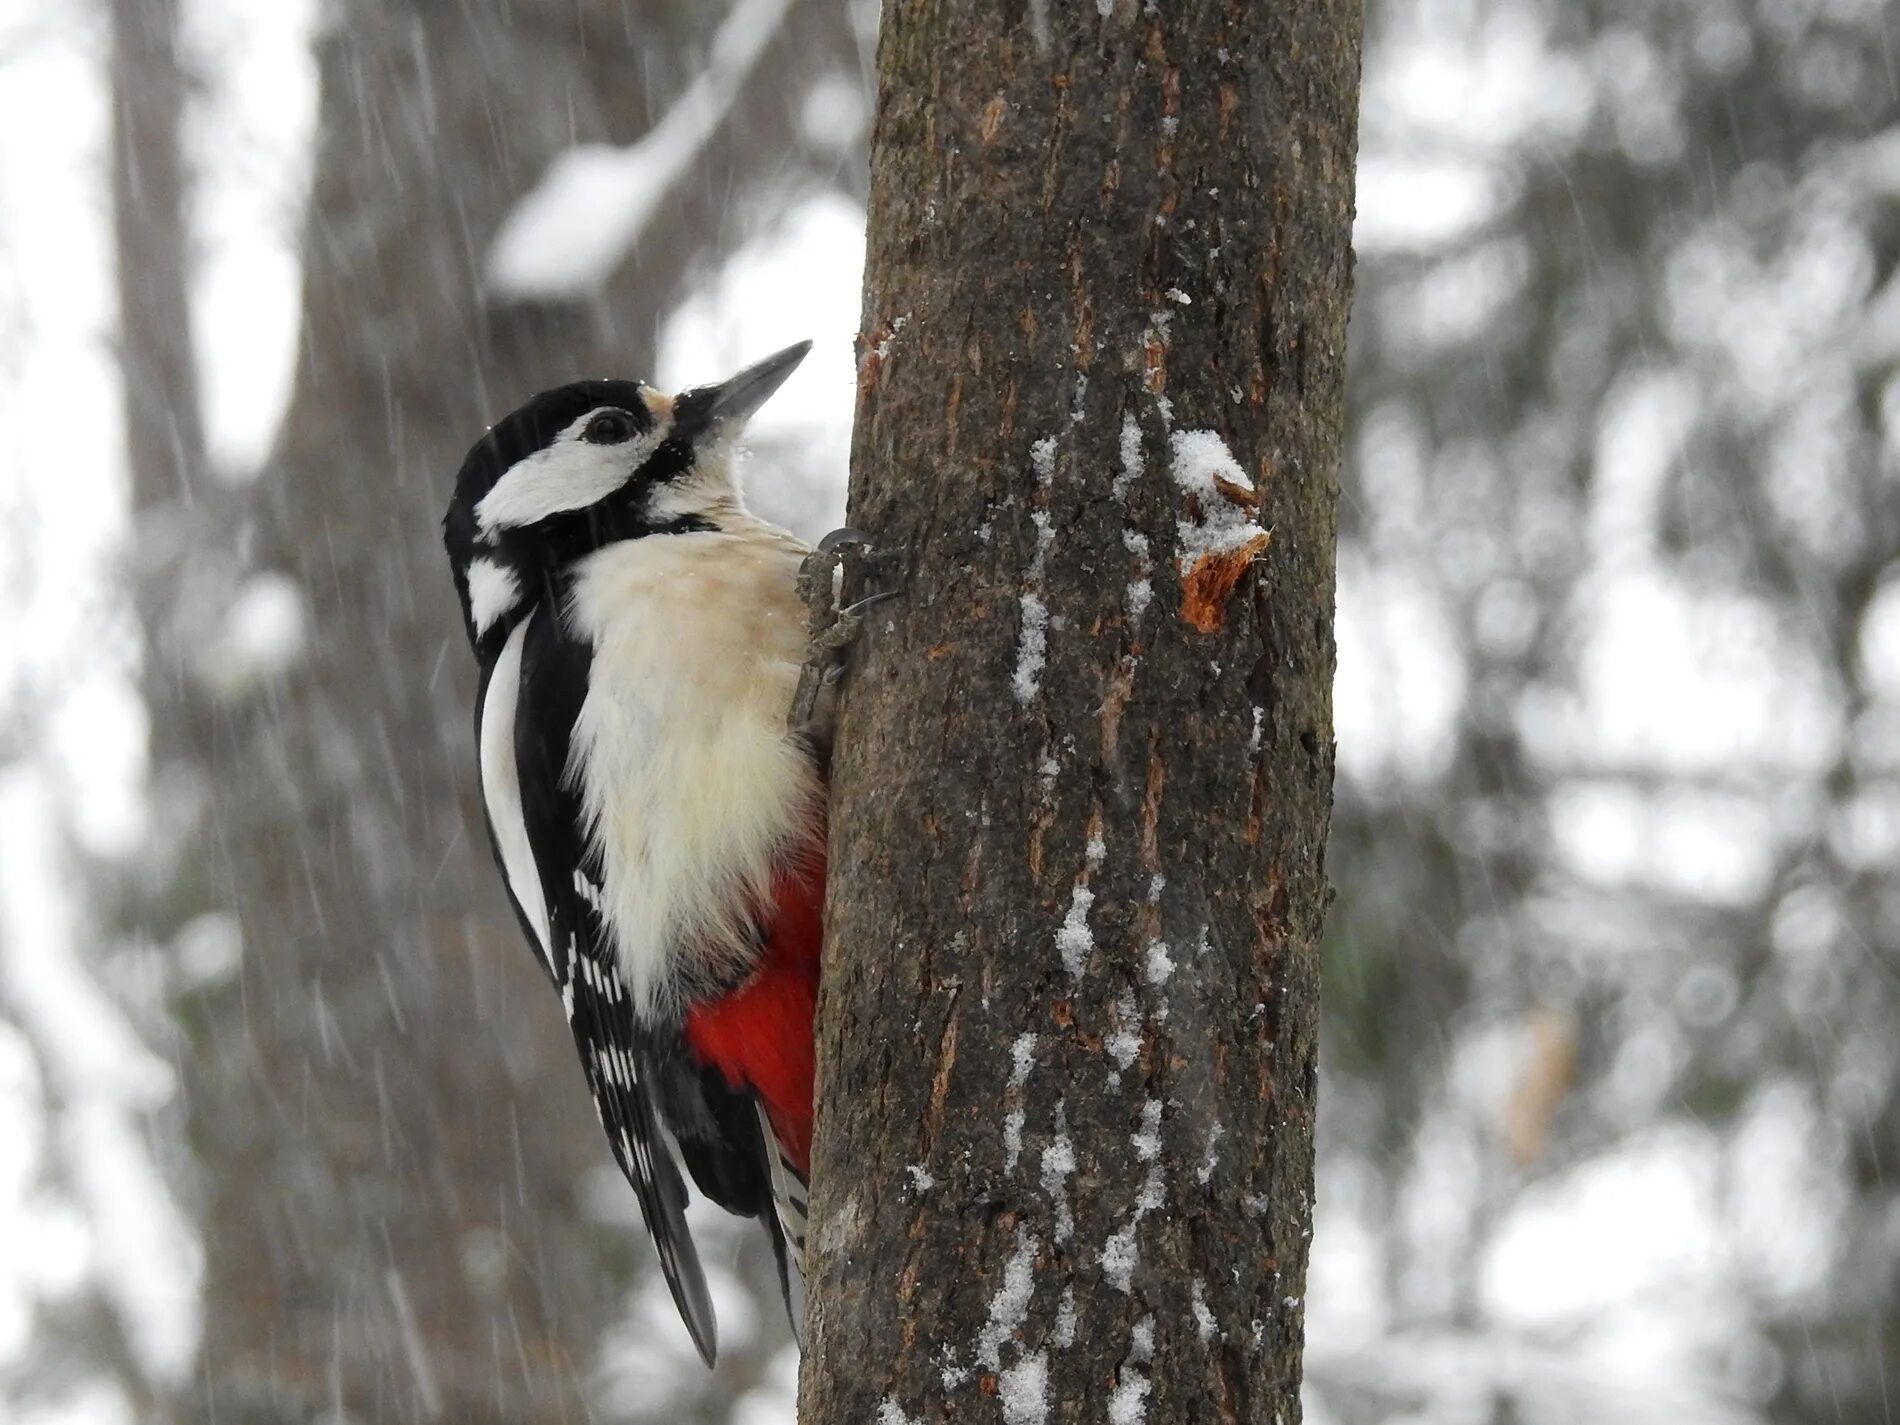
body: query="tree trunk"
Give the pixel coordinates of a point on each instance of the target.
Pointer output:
(164, 435)
(164, 431)
(1080, 800)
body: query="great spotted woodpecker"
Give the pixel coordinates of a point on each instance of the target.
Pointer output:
(660, 827)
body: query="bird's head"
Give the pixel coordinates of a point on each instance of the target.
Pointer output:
(589, 463)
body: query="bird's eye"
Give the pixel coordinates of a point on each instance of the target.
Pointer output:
(609, 428)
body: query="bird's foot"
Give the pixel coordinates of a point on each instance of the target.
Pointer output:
(833, 628)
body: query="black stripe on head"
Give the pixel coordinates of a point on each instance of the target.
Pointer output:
(520, 434)
(531, 428)
(535, 425)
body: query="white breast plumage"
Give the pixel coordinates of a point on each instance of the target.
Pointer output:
(691, 785)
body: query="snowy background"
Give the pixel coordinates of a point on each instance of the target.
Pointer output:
(1611, 1109)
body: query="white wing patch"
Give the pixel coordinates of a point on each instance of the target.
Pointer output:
(790, 1199)
(501, 790)
(492, 591)
(568, 474)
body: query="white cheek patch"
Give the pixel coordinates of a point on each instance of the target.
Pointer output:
(570, 474)
(492, 591)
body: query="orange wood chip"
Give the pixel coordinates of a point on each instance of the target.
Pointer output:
(1210, 583)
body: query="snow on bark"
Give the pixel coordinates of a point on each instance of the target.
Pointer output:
(1147, 1139)
(1075, 940)
(1033, 649)
(1121, 1253)
(1058, 1164)
(1130, 457)
(1205, 1326)
(1222, 537)
(1156, 963)
(1120, 1257)
(1024, 1390)
(1022, 1058)
(1123, 1043)
(1139, 592)
(1211, 1158)
(1009, 1307)
(1032, 646)
(1128, 1405)
(1042, 458)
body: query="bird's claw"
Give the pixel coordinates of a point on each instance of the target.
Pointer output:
(841, 538)
(832, 629)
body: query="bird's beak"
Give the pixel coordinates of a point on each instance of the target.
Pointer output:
(730, 404)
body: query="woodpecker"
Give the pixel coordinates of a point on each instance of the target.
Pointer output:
(658, 824)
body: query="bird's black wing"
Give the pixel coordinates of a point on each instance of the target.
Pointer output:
(727, 1146)
(616, 1052)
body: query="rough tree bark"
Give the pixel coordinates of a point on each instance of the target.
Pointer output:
(1067, 1035)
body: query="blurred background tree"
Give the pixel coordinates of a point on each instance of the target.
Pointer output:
(1611, 1097)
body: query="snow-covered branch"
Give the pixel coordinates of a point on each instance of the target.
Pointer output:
(574, 228)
